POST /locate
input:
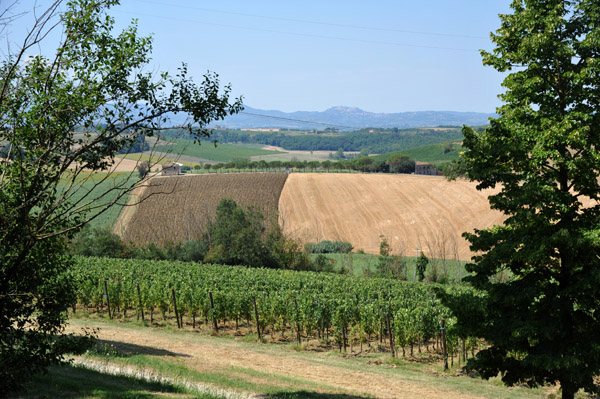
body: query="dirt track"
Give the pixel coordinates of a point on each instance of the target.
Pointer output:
(261, 364)
(409, 210)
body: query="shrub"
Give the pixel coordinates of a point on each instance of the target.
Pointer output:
(99, 241)
(329, 247)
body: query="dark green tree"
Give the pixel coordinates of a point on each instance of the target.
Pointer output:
(236, 237)
(399, 163)
(99, 241)
(542, 153)
(421, 265)
(60, 118)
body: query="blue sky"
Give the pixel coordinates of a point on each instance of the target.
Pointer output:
(381, 56)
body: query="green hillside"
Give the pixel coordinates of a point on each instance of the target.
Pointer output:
(220, 153)
(433, 153)
(90, 186)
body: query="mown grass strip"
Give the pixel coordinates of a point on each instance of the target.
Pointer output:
(68, 381)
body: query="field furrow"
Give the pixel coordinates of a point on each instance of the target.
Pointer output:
(410, 211)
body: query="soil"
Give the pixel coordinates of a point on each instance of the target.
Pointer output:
(207, 354)
(129, 210)
(410, 211)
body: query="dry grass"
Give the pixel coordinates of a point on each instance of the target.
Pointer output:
(176, 209)
(284, 371)
(411, 211)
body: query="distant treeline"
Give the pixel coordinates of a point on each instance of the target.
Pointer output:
(395, 164)
(372, 140)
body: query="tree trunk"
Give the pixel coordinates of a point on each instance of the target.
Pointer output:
(568, 390)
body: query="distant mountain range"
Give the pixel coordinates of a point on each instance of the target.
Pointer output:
(350, 118)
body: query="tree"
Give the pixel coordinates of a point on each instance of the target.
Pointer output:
(235, 237)
(143, 169)
(389, 265)
(99, 241)
(421, 266)
(399, 163)
(61, 118)
(542, 153)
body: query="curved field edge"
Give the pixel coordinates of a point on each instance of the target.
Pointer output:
(411, 211)
(177, 208)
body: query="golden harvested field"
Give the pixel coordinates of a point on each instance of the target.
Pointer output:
(409, 210)
(176, 208)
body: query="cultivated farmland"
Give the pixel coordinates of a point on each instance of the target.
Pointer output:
(176, 209)
(411, 211)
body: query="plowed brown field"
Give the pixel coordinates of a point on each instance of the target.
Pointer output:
(411, 211)
(176, 208)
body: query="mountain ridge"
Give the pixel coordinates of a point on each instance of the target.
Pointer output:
(349, 118)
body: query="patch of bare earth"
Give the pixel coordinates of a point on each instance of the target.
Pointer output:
(205, 354)
(177, 208)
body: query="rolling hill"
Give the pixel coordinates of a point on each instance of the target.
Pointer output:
(177, 208)
(410, 211)
(350, 118)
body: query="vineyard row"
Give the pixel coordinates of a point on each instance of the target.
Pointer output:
(345, 309)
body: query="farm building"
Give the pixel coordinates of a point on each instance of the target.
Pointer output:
(423, 168)
(171, 169)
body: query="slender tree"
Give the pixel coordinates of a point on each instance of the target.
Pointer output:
(60, 118)
(542, 153)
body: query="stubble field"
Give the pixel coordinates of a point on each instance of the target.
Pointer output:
(410, 211)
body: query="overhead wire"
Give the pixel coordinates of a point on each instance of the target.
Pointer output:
(302, 34)
(315, 22)
(298, 120)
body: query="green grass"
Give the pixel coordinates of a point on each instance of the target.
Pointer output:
(220, 153)
(78, 382)
(296, 156)
(434, 153)
(90, 185)
(361, 264)
(153, 159)
(284, 385)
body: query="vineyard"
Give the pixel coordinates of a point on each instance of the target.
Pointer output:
(176, 209)
(340, 311)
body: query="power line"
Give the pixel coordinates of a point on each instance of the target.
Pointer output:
(303, 34)
(317, 22)
(298, 120)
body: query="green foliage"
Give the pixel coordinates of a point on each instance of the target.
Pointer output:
(97, 241)
(235, 237)
(62, 119)
(422, 264)
(138, 145)
(542, 323)
(329, 247)
(313, 302)
(143, 168)
(378, 142)
(399, 163)
(441, 155)
(214, 152)
(392, 266)
(289, 254)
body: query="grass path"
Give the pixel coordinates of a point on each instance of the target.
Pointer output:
(280, 371)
